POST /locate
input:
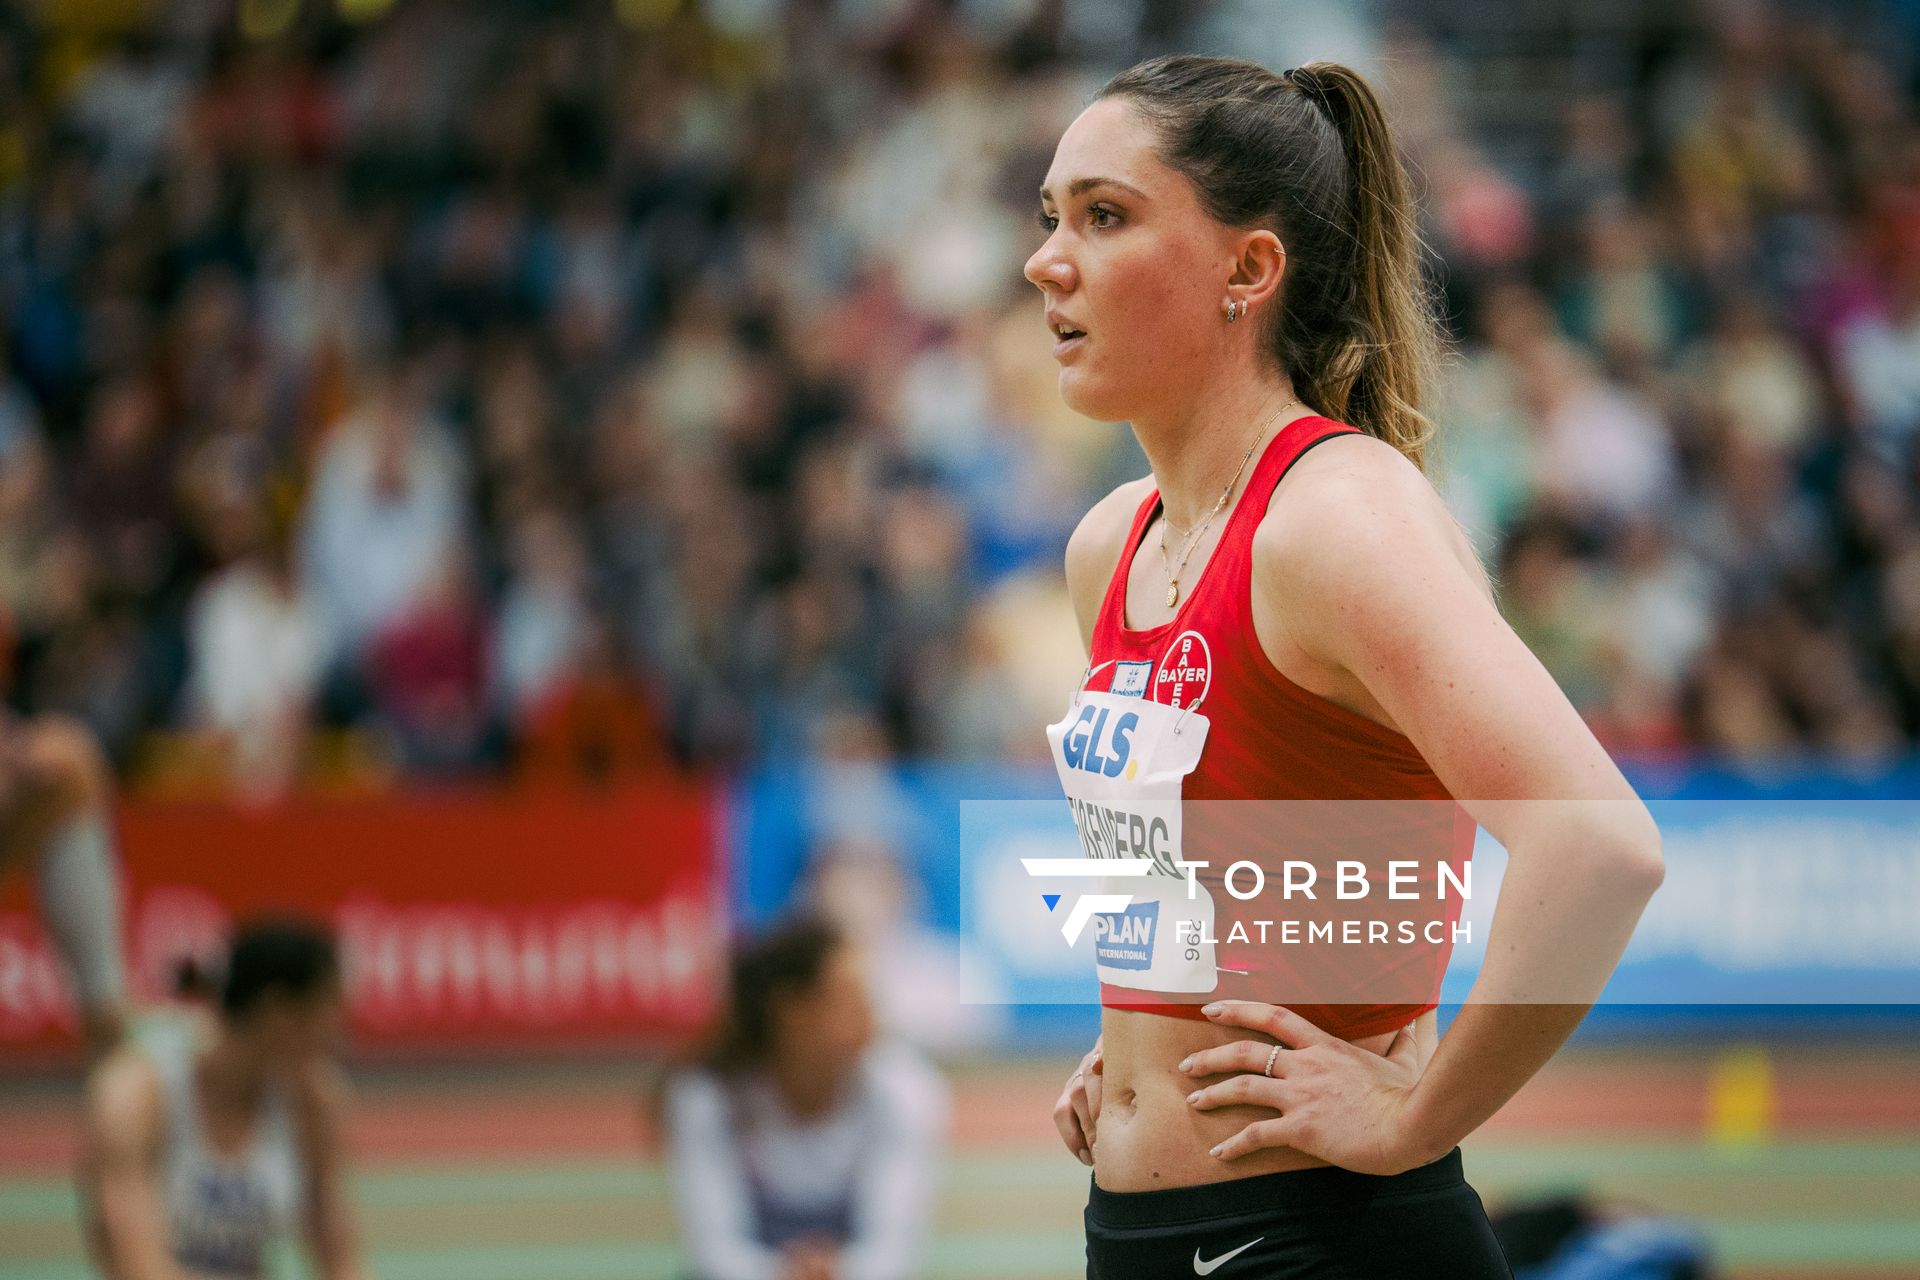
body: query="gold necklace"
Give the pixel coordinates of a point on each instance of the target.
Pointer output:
(1174, 571)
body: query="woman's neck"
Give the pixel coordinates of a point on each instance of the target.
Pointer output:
(1194, 451)
(230, 1073)
(807, 1091)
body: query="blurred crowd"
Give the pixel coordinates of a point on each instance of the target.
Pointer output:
(431, 388)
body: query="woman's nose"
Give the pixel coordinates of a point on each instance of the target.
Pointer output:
(1048, 267)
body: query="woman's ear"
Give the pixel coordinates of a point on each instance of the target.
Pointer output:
(1259, 266)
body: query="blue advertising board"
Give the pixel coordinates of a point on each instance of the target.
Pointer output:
(1787, 892)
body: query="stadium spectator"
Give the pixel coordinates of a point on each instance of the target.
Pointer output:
(617, 302)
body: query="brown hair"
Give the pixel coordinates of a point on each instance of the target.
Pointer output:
(1308, 155)
(768, 970)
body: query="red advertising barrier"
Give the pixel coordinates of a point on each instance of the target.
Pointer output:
(466, 921)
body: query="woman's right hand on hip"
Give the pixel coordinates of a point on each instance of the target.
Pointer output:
(1079, 1106)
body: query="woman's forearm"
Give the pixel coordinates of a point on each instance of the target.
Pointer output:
(1565, 913)
(1486, 1055)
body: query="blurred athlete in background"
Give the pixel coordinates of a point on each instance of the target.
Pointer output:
(56, 795)
(203, 1149)
(802, 1148)
(1232, 254)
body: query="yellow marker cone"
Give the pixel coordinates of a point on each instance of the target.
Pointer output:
(1743, 1102)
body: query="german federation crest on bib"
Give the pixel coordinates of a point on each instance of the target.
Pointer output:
(1186, 669)
(1130, 678)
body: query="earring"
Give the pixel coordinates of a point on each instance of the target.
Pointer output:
(1233, 311)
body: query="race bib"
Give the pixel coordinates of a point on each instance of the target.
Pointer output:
(1122, 760)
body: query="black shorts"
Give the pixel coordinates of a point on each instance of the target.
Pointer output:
(1321, 1223)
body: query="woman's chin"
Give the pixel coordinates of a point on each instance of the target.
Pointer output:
(1090, 399)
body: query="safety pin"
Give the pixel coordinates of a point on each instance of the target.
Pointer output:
(1187, 711)
(1087, 675)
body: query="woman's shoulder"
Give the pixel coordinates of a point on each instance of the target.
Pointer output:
(320, 1097)
(695, 1084)
(1093, 550)
(126, 1095)
(698, 1103)
(1352, 498)
(1337, 466)
(1096, 540)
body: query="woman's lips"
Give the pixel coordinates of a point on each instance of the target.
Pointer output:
(1063, 347)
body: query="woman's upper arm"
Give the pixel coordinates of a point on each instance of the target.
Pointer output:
(122, 1129)
(1361, 569)
(122, 1135)
(710, 1189)
(901, 1175)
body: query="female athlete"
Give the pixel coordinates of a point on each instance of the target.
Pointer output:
(804, 1147)
(1230, 255)
(200, 1152)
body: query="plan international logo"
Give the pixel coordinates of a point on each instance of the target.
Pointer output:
(1125, 940)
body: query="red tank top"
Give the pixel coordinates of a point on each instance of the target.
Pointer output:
(1271, 739)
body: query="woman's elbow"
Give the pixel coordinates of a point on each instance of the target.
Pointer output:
(1623, 851)
(1640, 858)
(1649, 870)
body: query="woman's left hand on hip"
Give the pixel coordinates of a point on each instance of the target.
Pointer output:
(1335, 1101)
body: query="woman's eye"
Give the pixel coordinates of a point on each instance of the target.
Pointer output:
(1048, 222)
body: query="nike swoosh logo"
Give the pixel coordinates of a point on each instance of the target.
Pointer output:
(1208, 1268)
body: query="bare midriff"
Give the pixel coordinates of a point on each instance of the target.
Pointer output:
(1148, 1136)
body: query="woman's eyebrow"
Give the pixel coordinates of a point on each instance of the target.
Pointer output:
(1079, 185)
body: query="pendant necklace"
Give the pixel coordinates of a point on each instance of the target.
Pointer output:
(1193, 540)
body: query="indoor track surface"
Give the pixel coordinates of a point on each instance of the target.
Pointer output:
(1797, 1164)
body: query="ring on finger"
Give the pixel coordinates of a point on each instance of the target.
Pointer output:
(1268, 1069)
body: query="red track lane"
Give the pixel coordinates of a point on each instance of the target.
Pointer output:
(1008, 1107)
